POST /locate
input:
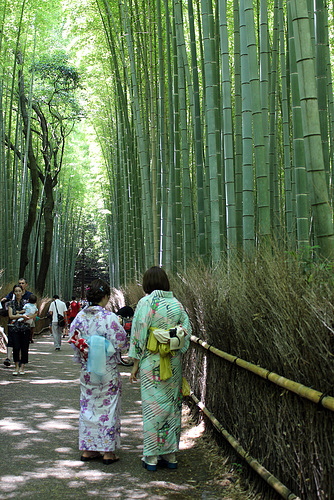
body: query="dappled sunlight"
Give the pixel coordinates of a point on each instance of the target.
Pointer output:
(10, 483)
(53, 381)
(63, 450)
(52, 425)
(10, 425)
(188, 437)
(9, 382)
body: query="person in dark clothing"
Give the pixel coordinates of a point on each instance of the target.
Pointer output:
(21, 335)
(5, 305)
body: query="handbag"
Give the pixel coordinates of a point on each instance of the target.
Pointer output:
(13, 329)
(61, 319)
(174, 337)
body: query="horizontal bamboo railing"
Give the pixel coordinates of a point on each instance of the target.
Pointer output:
(275, 483)
(300, 389)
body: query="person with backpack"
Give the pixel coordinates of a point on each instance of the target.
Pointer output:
(58, 310)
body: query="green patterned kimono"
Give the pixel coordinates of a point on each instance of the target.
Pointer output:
(161, 400)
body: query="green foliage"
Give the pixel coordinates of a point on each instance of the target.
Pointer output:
(56, 70)
(56, 86)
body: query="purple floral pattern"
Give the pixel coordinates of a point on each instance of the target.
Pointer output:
(100, 408)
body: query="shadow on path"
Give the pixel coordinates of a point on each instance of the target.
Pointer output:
(39, 440)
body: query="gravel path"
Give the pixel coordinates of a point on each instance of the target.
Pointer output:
(39, 441)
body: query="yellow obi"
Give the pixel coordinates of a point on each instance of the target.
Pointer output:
(164, 350)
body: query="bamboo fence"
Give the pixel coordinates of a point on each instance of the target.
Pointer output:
(299, 389)
(275, 483)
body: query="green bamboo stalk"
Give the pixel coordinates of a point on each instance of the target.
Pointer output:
(228, 133)
(238, 124)
(311, 129)
(187, 219)
(212, 125)
(153, 138)
(261, 168)
(302, 202)
(264, 58)
(290, 227)
(322, 79)
(169, 253)
(198, 139)
(175, 180)
(163, 165)
(247, 147)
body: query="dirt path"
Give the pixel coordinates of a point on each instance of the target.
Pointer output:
(39, 442)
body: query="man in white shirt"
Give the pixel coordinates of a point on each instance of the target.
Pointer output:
(57, 306)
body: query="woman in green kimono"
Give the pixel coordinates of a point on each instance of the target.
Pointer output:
(161, 399)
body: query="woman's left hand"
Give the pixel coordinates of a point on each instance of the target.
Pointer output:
(133, 376)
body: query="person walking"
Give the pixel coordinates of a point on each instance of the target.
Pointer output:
(57, 306)
(73, 309)
(161, 393)
(100, 381)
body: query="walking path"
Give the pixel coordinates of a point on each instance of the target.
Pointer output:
(39, 456)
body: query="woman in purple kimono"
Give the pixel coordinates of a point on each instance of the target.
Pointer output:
(100, 398)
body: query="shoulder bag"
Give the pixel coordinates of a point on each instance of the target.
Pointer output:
(61, 319)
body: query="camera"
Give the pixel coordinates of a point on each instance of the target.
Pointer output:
(173, 332)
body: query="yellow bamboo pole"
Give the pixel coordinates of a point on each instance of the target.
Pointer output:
(300, 389)
(275, 483)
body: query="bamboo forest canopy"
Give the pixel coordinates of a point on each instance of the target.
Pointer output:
(157, 132)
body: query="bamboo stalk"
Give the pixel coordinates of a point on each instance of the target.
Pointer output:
(275, 483)
(299, 389)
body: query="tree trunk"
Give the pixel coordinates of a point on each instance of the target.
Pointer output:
(32, 164)
(48, 235)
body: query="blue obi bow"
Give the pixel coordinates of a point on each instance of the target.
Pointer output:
(99, 347)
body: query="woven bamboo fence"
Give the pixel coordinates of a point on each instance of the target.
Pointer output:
(272, 386)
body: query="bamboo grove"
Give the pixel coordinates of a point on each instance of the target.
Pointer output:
(215, 121)
(37, 114)
(220, 116)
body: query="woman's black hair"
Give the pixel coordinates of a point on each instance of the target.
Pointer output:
(17, 286)
(96, 291)
(155, 278)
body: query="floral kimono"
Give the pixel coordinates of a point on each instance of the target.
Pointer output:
(161, 399)
(100, 398)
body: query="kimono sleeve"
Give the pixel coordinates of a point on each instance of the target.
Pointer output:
(118, 338)
(141, 323)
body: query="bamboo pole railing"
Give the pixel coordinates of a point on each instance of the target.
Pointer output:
(275, 483)
(299, 389)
